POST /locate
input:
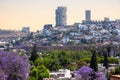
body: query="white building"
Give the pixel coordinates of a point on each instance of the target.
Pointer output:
(61, 74)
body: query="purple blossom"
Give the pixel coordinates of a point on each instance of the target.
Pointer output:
(100, 76)
(85, 71)
(2, 74)
(14, 64)
(88, 73)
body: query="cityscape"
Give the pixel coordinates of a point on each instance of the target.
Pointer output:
(59, 50)
(89, 32)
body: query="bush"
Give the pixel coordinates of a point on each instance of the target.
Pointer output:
(87, 60)
(113, 60)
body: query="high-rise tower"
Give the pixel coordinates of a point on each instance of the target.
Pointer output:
(88, 15)
(61, 16)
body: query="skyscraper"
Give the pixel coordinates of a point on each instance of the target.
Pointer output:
(61, 16)
(87, 15)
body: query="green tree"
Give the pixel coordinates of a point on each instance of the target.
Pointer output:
(63, 59)
(105, 61)
(34, 54)
(39, 73)
(34, 74)
(43, 72)
(93, 63)
(54, 65)
(38, 62)
(108, 50)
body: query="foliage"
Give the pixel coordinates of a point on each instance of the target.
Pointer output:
(39, 73)
(14, 66)
(93, 63)
(89, 74)
(63, 59)
(113, 60)
(2, 74)
(72, 67)
(105, 62)
(56, 60)
(42, 72)
(108, 50)
(38, 62)
(54, 65)
(116, 71)
(81, 63)
(34, 54)
(34, 73)
(85, 71)
(101, 59)
(87, 60)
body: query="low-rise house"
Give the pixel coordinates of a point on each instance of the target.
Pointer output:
(62, 74)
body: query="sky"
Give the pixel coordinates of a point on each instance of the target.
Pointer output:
(15, 14)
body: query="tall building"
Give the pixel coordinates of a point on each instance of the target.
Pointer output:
(88, 15)
(61, 16)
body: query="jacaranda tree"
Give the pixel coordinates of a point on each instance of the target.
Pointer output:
(14, 66)
(87, 73)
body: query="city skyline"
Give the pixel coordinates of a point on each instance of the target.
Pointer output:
(14, 14)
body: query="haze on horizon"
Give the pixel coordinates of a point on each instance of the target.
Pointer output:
(14, 14)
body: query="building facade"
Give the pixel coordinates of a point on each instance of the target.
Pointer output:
(26, 29)
(106, 19)
(88, 15)
(47, 26)
(61, 16)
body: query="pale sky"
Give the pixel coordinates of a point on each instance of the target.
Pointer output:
(14, 14)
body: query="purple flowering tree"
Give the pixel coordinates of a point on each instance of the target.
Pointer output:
(2, 74)
(86, 73)
(14, 66)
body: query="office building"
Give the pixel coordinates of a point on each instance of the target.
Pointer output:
(61, 16)
(87, 15)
